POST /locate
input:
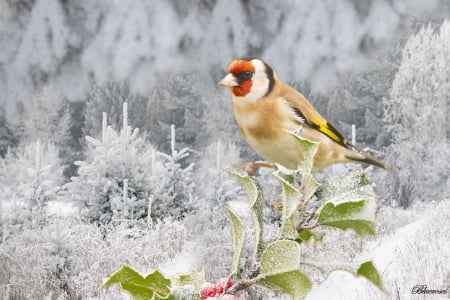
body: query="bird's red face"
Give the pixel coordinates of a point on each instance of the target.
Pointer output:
(248, 79)
(239, 78)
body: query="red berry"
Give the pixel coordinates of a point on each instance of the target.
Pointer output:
(208, 289)
(222, 283)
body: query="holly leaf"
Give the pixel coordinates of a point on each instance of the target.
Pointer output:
(349, 203)
(309, 150)
(306, 235)
(138, 286)
(294, 283)
(158, 283)
(194, 278)
(238, 230)
(290, 199)
(280, 264)
(255, 196)
(368, 271)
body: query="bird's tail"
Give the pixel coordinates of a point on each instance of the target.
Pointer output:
(365, 157)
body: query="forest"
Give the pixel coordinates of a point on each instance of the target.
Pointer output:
(116, 142)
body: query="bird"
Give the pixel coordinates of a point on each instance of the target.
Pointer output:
(266, 109)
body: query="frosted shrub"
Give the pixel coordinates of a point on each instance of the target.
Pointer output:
(220, 186)
(64, 258)
(28, 179)
(416, 114)
(176, 180)
(124, 176)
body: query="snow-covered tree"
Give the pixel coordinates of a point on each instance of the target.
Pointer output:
(46, 120)
(29, 177)
(125, 178)
(417, 115)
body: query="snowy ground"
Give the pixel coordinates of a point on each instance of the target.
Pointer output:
(411, 249)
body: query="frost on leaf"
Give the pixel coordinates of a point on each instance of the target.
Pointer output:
(309, 149)
(280, 264)
(280, 257)
(349, 203)
(194, 278)
(138, 286)
(256, 198)
(238, 229)
(290, 199)
(294, 283)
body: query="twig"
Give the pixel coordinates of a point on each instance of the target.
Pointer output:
(245, 283)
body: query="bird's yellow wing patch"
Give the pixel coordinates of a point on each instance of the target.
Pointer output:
(322, 126)
(330, 131)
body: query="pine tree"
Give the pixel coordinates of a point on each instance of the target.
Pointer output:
(124, 178)
(30, 177)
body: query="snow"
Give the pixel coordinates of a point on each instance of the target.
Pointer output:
(73, 208)
(398, 259)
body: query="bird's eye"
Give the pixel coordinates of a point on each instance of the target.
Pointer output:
(247, 75)
(243, 76)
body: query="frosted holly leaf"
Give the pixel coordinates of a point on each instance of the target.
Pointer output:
(346, 186)
(279, 257)
(288, 228)
(250, 184)
(290, 199)
(194, 278)
(280, 264)
(309, 150)
(256, 198)
(138, 286)
(369, 271)
(238, 229)
(294, 283)
(349, 203)
(306, 235)
(355, 215)
(310, 186)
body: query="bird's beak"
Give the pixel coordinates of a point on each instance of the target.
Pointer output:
(229, 80)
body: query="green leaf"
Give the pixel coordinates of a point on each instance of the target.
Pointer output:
(280, 264)
(279, 257)
(369, 271)
(349, 203)
(306, 235)
(288, 228)
(349, 215)
(311, 186)
(250, 184)
(137, 292)
(309, 149)
(138, 286)
(290, 199)
(158, 283)
(194, 278)
(255, 196)
(355, 185)
(294, 283)
(238, 230)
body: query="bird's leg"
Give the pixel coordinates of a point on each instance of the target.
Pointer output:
(251, 166)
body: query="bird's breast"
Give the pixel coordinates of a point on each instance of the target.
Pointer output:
(263, 126)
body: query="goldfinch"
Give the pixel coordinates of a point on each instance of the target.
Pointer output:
(266, 108)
